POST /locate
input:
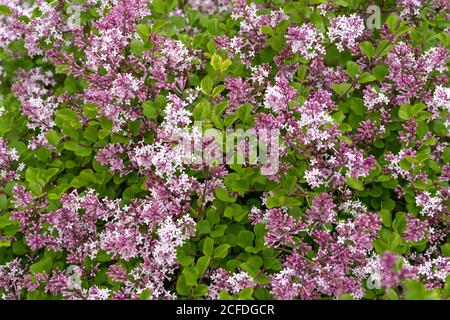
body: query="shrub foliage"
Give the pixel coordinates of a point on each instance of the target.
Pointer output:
(99, 198)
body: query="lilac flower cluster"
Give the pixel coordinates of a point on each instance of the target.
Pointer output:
(102, 196)
(346, 32)
(125, 236)
(9, 169)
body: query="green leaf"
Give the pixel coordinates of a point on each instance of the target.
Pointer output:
(244, 112)
(145, 295)
(445, 249)
(4, 10)
(222, 194)
(414, 290)
(403, 112)
(160, 6)
(217, 90)
(150, 110)
(42, 266)
(400, 223)
(203, 227)
(383, 48)
(208, 246)
(446, 155)
(341, 88)
(212, 216)
(386, 217)
(191, 275)
(277, 42)
(275, 201)
(202, 111)
(216, 62)
(245, 238)
(357, 106)
(90, 134)
(352, 69)
(137, 46)
(184, 259)
(181, 287)
(267, 30)
(143, 30)
(53, 137)
(366, 77)
(3, 202)
(252, 265)
(388, 204)
(246, 294)
(380, 71)
(203, 264)
(352, 183)
(19, 248)
(213, 26)
(171, 4)
(221, 251)
(367, 48)
(225, 65)
(423, 154)
(206, 85)
(338, 117)
(407, 111)
(82, 151)
(67, 117)
(200, 290)
(392, 22)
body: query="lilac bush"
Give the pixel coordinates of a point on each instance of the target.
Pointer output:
(117, 179)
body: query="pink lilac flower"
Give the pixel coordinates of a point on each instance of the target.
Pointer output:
(416, 229)
(231, 283)
(316, 122)
(210, 7)
(346, 32)
(124, 14)
(111, 156)
(386, 270)
(306, 41)
(281, 228)
(249, 40)
(331, 271)
(325, 76)
(367, 132)
(393, 166)
(323, 210)
(49, 27)
(345, 162)
(411, 8)
(431, 206)
(434, 271)
(392, 272)
(38, 102)
(410, 131)
(435, 59)
(409, 71)
(239, 93)
(260, 74)
(8, 160)
(96, 293)
(13, 280)
(18, 8)
(374, 99)
(440, 101)
(279, 96)
(123, 236)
